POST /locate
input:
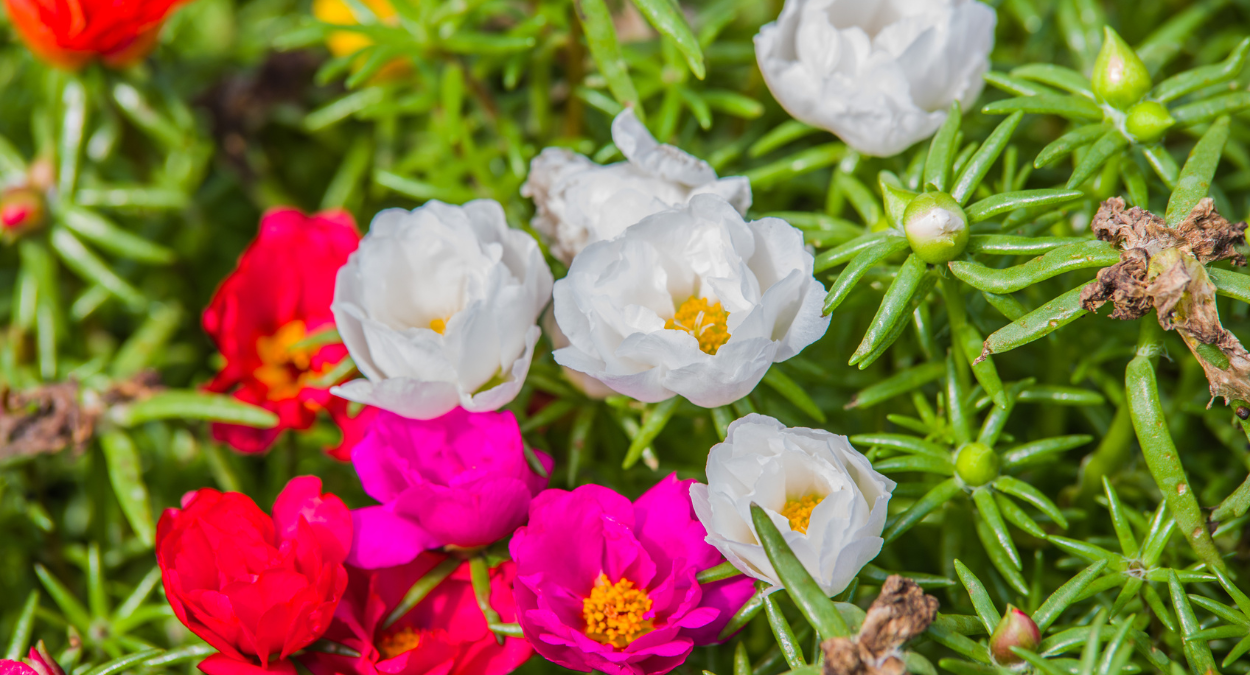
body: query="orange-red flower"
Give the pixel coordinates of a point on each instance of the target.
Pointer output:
(278, 295)
(70, 33)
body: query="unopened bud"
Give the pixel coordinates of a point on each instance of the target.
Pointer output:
(1147, 121)
(976, 464)
(21, 210)
(43, 663)
(1120, 78)
(1016, 629)
(936, 227)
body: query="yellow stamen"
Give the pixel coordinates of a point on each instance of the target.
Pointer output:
(438, 325)
(397, 642)
(616, 614)
(283, 370)
(799, 512)
(705, 321)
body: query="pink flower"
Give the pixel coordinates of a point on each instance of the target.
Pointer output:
(591, 547)
(445, 634)
(39, 663)
(456, 480)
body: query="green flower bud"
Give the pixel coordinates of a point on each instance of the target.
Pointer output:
(1147, 121)
(936, 227)
(976, 464)
(1016, 629)
(1120, 78)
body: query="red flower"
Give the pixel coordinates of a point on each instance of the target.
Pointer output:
(255, 588)
(279, 294)
(70, 33)
(445, 634)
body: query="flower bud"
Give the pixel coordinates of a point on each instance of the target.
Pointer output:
(21, 210)
(1120, 78)
(42, 662)
(976, 464)
(936, 227)
(1016, 629)
(1147, 121)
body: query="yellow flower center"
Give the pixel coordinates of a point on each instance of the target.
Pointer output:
(705, 321)
(397, 642)
(616, 614)
(799, 512)
(283, 370)
(438, 325)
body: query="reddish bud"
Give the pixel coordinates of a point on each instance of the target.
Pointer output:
(1016, 629)
(21, 210)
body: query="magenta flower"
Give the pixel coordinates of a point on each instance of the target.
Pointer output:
(590, 549)
(457, 480)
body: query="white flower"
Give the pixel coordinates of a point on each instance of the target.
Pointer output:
(580, 202)
(822, 494)
(692, 301)
(588, 385)
(438, 308)
(880, 74)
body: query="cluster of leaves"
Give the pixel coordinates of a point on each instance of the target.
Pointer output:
(1094, 458)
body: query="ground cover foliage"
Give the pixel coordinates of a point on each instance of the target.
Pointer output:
(1103, 495)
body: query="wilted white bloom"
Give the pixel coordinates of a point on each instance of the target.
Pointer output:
(880, 74)
(439, 308)
(692, 301)
(821, 493)
(580, 202)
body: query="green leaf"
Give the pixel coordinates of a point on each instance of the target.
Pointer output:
(1023, 491)
(1072, 107)
(19, 640)
(784, 634)
(848, 250)
(1056, 76)
(125, 473)
(1093, 253)
(1006, 202)
(1195, 177)
(606, 51)
(894, 307)
(859, 266)
(1107, 146)
(816, 607)
(725, 570)
(1166, 41)
(1065, 595)
(939, 495)
(782, 134)
(792, 392)
(1017, 86)
(897, 384)
(73, 121)
(980, 598)
(979, 165)
(798, 164)
(1197, 652)
(1043, 450)
(1204, 76)
(148, 342)
(112, 238)
(745, 613)
(988, 508)
(937, 166)
(666, 17)
(653, 422)
(908, 444)
(87, 265)
(73, 610)
(123, 663)
(1163, 460)
(420, 589)
(1037, 324)
(1064, 145)
(181, 404)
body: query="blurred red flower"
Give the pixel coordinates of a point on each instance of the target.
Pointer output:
(444, 634)
(70, 33)
(256, 588)
(279, 294)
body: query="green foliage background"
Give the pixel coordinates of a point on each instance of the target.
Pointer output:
(241, 108)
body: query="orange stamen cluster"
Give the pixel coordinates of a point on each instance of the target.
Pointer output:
(397, 642)
(705, 321)
(283, 370)
(616, 614)
(799, 512)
